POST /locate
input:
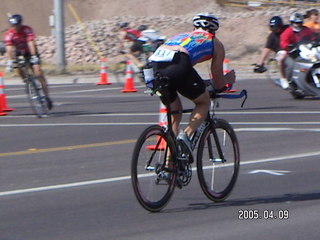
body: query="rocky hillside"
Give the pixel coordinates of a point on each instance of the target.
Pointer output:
(242, 31)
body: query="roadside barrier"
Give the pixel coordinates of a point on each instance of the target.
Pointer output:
(103, 73)
(129, 85)
(162, 122)
(3, 101)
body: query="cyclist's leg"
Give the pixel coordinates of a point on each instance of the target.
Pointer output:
(199, 113)
(39, 74)
(20, 72)
(194, 89)
(176, 118)
(136, 49)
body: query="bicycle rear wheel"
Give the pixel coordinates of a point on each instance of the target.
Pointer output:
(153, 172)
(36, 97)
(218, 160)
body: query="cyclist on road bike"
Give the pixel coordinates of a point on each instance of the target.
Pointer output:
(150, 38)
(20, 40)
(175, 59)
(129, 34)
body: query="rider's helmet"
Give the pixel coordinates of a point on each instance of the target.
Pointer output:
(206, 21)
(142, 28)
(15, 19)
(296, 18)
(275, 21)
(123, 25)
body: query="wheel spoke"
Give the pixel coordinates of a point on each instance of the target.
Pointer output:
(153, 178)
(217, 176)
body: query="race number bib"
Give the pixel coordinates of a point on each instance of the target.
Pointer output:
(162, 55)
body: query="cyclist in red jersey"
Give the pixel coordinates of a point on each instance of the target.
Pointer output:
(20, 40)
(131, 35)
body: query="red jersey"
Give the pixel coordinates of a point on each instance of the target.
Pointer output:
(289, 37)
(19, 39)
(132, 34)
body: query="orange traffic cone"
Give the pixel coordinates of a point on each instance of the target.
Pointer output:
(3, 101)
(225, 71)
(2, 113)
(226, 66)
(129, 85)
(162, 122)
(103, 73)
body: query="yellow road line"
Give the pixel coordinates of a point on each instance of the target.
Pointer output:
(66, 148)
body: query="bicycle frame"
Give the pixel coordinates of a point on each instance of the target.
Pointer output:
(157, 169)
(34, 89)
(208, 121)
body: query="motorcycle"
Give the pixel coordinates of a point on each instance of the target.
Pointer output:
(303, 70)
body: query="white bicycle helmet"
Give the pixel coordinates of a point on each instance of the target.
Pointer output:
(206, 21)
(296, 18)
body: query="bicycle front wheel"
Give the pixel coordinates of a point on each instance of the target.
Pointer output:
(153, 169)
(36, 97)
(218, 160)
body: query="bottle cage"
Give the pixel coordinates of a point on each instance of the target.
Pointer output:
(161, 87)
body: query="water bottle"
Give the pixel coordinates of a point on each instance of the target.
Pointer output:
(148, 75)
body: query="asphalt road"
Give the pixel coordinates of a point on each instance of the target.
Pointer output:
(67, 176)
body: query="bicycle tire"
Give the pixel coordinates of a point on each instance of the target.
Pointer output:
(153, 183)
(217, 178)
(36, 97)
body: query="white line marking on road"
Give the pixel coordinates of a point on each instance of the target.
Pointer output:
(271, 172)
(116, 179)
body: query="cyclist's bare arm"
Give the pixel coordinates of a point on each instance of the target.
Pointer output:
(220, 80)
(10, 52)
(32, 47)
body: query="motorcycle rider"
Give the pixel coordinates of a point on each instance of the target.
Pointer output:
(272, 44)
(289, 38)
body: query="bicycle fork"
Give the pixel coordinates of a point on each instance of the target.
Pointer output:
(221, 158)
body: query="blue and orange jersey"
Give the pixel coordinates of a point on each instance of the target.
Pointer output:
(198, 43)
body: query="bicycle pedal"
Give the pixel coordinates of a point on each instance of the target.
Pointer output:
(179, 184)
(182, 159)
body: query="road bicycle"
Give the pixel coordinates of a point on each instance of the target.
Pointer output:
(159, 163)
(33, 87)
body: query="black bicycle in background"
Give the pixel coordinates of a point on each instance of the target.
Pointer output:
(33, 87)
(159, 163)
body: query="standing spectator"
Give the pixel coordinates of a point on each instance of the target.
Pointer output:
(312, 22)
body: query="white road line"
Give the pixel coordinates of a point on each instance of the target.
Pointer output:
(9, 125)
(123, 178)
